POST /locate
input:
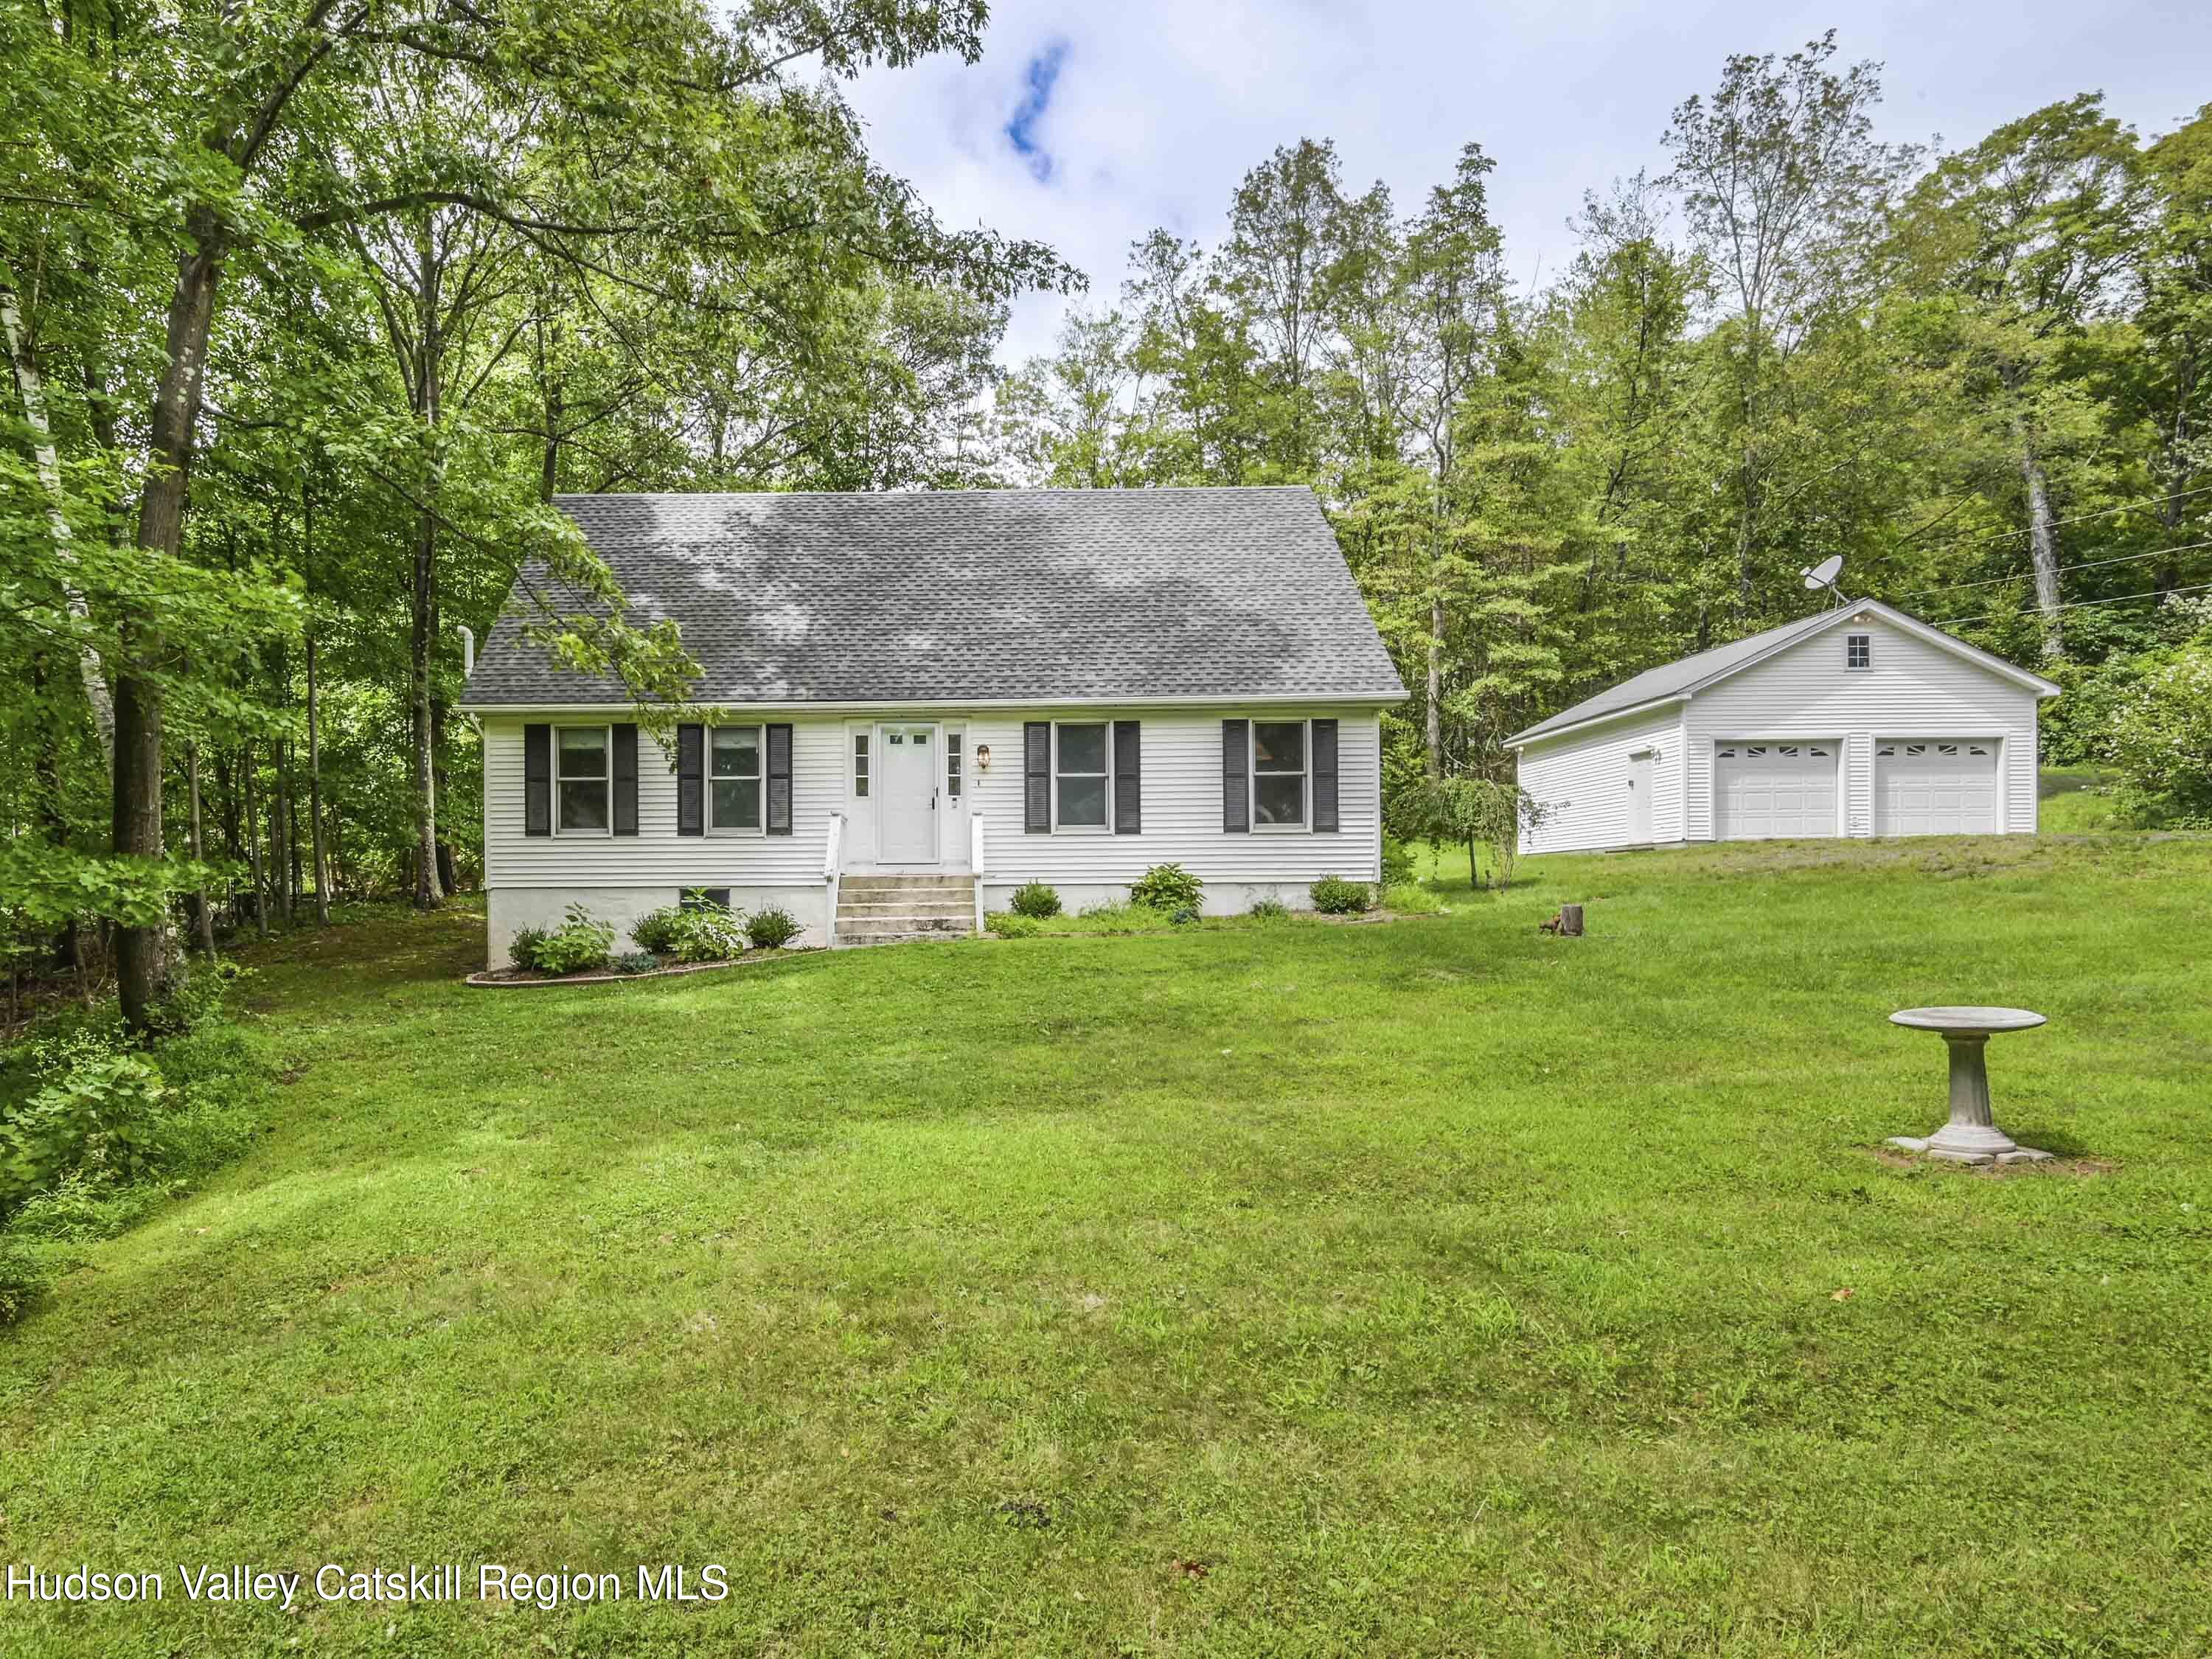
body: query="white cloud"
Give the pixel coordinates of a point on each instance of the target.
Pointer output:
(1160, 106)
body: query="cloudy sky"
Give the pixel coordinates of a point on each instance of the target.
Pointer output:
(1089, 122)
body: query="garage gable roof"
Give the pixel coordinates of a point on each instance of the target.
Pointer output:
(1677, 682)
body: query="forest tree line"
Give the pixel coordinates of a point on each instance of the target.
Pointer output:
(1984, 377)
(311, 311)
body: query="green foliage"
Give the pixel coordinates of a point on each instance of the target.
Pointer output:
(24, 1277)
(1184, 915)
(1037, 900)
(1167, 887)
(1007, 925)
(2161, 739)
(1471, 812)
(1269, 909)
(522, 950)
(1335, 896)
(1407, 898)
(698, 932)
(635, 962)
(1397, 861)
(772, 928)
(93, 1113)
(579, 944)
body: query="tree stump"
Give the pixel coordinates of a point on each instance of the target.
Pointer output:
(1570, 921)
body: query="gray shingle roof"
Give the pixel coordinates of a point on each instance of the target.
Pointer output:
(1046, 594)
(1671, 679)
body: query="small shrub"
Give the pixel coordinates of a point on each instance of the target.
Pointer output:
(579, 944)
(523, 949)
(635, 962)
(1335, 896)
(94, 1113)
(1184, 915)
(1007, 926)
(772, 929)
(697, 932)
(1166, 887)
(1269, 909)
(1397, 862)
(1037, 900)
(23, 1279)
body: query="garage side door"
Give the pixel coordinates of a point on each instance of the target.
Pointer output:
(1765, 790)
(1935, 788)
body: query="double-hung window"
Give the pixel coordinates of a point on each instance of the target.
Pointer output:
(582, 756)
(733, 777)
(1079, 782)
(1278, 774)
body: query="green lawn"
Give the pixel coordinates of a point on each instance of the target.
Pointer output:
(1439, 1286)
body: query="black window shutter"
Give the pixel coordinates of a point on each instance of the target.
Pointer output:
(1236, 776)
(1036, 777)
(537, 780)
(1128, 778)
(778, 779)
(1324, 775)
(625, 779)
(690, 779)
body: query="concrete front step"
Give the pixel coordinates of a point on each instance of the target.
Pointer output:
(878, 886)
(907, 907)
(874, 928)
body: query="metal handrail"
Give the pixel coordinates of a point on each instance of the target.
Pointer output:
(833, 860)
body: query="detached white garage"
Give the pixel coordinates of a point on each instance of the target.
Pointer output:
(1861, 720)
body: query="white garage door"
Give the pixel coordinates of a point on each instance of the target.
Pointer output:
(1935, 788)
(1762, 790)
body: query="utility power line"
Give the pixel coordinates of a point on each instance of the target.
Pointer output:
(2077, 604)
(2079, 518)
(2093, 564)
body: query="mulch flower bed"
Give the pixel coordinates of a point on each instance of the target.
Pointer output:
(509, 978)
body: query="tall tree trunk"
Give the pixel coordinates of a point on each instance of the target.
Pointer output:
(137, 817)
(2042, 549)
(30, 386)
(279, 828)
(1433, 730)
(203, 912)
(428, 893)
(254, 845)
(315, 793)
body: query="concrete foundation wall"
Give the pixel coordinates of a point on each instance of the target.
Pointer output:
(1224, 898)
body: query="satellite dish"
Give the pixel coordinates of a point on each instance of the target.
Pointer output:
(1824, 574)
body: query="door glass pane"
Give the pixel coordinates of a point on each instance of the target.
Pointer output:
(584, 804)
(1083, 749)
(737, 751)
(737, 802)
(583, 751)
(1279, 746)
(954, 742)
(1083, 800)
(1279, 799)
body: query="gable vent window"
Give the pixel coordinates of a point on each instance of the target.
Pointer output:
(734, 772)
(583, 757)
(1858, 650)
(859, 766)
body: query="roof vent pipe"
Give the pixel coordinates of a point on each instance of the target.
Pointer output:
(468, 649)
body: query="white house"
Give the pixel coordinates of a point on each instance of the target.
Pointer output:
(1861, 720)
(915, 702)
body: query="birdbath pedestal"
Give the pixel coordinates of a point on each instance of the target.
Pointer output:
(1972, 1136)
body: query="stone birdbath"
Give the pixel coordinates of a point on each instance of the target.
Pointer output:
(1972, 1136)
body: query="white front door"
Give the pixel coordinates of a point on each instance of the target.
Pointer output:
(1639, 799)
(1763, 790)
(905, 794)
(1940, 788)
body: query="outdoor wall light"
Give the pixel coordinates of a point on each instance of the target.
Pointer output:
(982, 757)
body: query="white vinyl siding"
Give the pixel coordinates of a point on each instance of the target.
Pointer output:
(1908, 689)
(1181, 784)
(1913, 688)
(1582, 780)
